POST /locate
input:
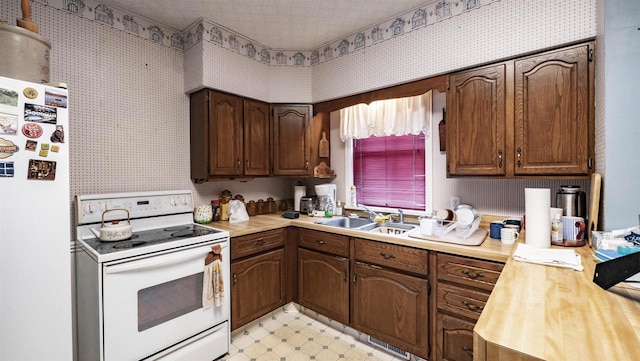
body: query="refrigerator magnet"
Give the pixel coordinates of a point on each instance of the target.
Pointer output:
(40, 113)
(31, 145)
(55, 99)
(7, 148)
(41, 170)
(6, 169)
(8, 124)
(32, 130)
(58, 135)
(55, 148)
(30, 93)
(44, 153)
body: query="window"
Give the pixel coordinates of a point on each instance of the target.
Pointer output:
(390, 171)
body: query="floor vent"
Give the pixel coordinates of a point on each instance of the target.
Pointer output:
(389, 348)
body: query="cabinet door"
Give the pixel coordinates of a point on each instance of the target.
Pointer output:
(454, 338)
(256, 138)
(257, 286)
(323, 284)
(476, 109)
(552, 112)
(392, 307)
(225, 134)
(291, 140)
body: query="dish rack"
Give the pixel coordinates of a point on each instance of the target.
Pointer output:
(462, 230)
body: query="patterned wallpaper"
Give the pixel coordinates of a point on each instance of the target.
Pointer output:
(206, 30)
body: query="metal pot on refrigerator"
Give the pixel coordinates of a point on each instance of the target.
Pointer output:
(572, 200)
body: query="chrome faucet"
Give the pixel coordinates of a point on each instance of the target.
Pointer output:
(372, 214)
(400, 216)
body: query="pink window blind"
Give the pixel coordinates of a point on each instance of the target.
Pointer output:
(390, 171)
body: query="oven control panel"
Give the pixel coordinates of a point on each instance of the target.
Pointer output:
(90, 208)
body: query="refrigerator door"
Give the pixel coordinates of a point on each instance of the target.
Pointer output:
(35, 223)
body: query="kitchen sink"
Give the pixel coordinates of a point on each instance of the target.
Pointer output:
(347, 222)
(367, 225)
(390, 228)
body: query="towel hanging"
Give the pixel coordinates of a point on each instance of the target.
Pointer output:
(213, 284)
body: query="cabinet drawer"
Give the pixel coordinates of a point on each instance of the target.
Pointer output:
(256, 243)
(323, 241)
(468, 271)
(461, 301)
(391, 255)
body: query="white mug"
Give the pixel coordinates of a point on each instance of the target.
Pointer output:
(508, 235)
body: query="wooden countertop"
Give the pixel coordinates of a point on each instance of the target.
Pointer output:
(490, 249)
(552, 313)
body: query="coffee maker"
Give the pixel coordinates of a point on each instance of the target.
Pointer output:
(326, 194)
(572, 201)
(307, 204)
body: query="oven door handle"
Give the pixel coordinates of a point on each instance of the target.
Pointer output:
(161, 261)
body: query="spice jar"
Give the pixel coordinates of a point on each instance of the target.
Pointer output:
(261, 207)
(272, 207)
(252, 208)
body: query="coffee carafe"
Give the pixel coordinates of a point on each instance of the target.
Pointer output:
(572, 201)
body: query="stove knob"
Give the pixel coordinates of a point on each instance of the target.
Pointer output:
(173, 202)
(184, 201)
(89, 209)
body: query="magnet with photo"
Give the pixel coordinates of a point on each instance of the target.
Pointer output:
(58, 135)
(41, 170)
(55, 99)
(6, 169)
(8, 124)
(7, 148)
(31, 145)
(55, 148)
(32, 130)
(8, 101)
(40, 113)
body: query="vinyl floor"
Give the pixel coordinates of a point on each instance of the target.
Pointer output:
(290, 335)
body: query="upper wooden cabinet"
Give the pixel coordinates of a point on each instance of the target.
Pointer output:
(229, 136)
(533, 116)
(477, 121)
(292, 140)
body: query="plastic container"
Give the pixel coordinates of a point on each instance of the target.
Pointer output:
(556, 231)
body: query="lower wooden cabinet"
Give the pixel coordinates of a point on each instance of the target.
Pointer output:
(454, 338)
(392, 307)
(323, 284)
(257, 286)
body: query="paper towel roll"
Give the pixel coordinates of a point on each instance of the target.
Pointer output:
(537, 202)
(299, 192)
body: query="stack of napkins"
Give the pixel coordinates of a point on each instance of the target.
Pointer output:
(566, 258)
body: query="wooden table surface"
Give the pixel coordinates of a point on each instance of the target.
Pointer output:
(552, 313)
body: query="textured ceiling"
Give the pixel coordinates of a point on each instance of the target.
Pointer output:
(276, 24)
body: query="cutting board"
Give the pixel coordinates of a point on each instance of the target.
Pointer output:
(594, 205)
(475, 239)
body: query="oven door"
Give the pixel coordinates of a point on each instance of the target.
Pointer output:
(152, 303)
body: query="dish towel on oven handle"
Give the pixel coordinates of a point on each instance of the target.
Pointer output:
(213, 284)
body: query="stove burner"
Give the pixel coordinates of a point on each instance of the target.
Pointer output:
(177, 228)
(129, 243)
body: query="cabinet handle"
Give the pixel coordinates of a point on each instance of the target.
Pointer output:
(468, 351)
(519, 157)
(355, 279)
(238, 163)
(319, 241)
(344, 275)
(387, 256)
(246, 164)
(499, 158)
(472, 307)
(471, 274)
(235, 279)
(260, 242)
(306, 164)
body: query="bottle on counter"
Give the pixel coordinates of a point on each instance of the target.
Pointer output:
(338, 208)
(328, 210)
(354, 199)
(215, 205)
(556, 230)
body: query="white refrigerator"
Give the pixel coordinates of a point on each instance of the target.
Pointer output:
(35, 223)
